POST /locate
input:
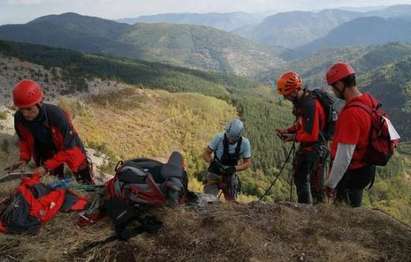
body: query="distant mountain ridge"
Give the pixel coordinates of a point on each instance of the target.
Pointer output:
(297, 28)
(70, 30)
(362, 31)
(292, 29)
(192, 46)
(223, 21)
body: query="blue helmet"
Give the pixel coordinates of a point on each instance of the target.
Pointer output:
(234, 129)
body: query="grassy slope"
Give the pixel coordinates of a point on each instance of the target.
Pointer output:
(392, 188)
(151, 123)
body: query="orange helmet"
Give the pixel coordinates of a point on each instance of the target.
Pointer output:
(288, 83)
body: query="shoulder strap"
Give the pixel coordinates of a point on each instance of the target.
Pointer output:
(238, 147)
(225, 146)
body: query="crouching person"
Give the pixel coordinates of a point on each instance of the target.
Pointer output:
(47, 135)
(228, 153)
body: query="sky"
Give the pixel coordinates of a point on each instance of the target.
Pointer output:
(22, 11)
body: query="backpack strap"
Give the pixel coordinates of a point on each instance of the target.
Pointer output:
(369, 109)
(225, 146)
(363, 106)
(238, 147)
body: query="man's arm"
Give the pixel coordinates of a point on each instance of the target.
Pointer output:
(245, 164)
(309, 128)
(71, 153)
(208, 155)
(340, 164)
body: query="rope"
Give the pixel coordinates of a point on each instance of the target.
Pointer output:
(292, 150)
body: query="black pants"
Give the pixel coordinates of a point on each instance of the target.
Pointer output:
(308, 178)
(350, 188)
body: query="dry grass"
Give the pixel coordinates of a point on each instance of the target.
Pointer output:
(228, 232)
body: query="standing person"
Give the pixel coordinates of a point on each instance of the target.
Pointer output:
(352, 169)
(312, 129)
(47, 135)
(228, 153)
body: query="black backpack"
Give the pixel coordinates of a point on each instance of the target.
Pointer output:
(139, 185)
(149, 182)
(328, 103)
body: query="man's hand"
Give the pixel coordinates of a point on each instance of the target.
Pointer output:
(281, 131)
(288, 137)
(19, 164)
(330, 192)
(40, 171)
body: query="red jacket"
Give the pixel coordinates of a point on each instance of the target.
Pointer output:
(311, 119)
(353, 128)
(69, 148)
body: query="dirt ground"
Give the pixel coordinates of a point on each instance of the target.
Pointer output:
(226, 232)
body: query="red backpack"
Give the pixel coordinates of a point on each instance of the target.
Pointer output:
(35, 203)
(381, 146)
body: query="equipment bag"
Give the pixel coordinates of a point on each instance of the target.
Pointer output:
(383, 137)
(149, 182)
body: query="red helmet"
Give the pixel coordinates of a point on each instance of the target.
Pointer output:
(338, 71)
(27, 93)
(289, 82)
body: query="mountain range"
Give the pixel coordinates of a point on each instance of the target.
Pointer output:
(362, 31)
(287, 29)
(185, 40)
(192, 46)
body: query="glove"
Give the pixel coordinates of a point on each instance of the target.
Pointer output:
(229, 170)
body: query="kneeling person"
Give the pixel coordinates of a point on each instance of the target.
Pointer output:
(47, 135)
(227, 153)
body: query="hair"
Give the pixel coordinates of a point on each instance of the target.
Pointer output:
(349, 81)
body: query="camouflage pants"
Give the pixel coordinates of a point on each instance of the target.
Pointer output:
(229, 184)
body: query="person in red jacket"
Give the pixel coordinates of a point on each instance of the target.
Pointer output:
(46, 135)
(310, 121)
(349, 174)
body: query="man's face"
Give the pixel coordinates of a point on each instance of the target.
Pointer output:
(30, 113)
(338, 88)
